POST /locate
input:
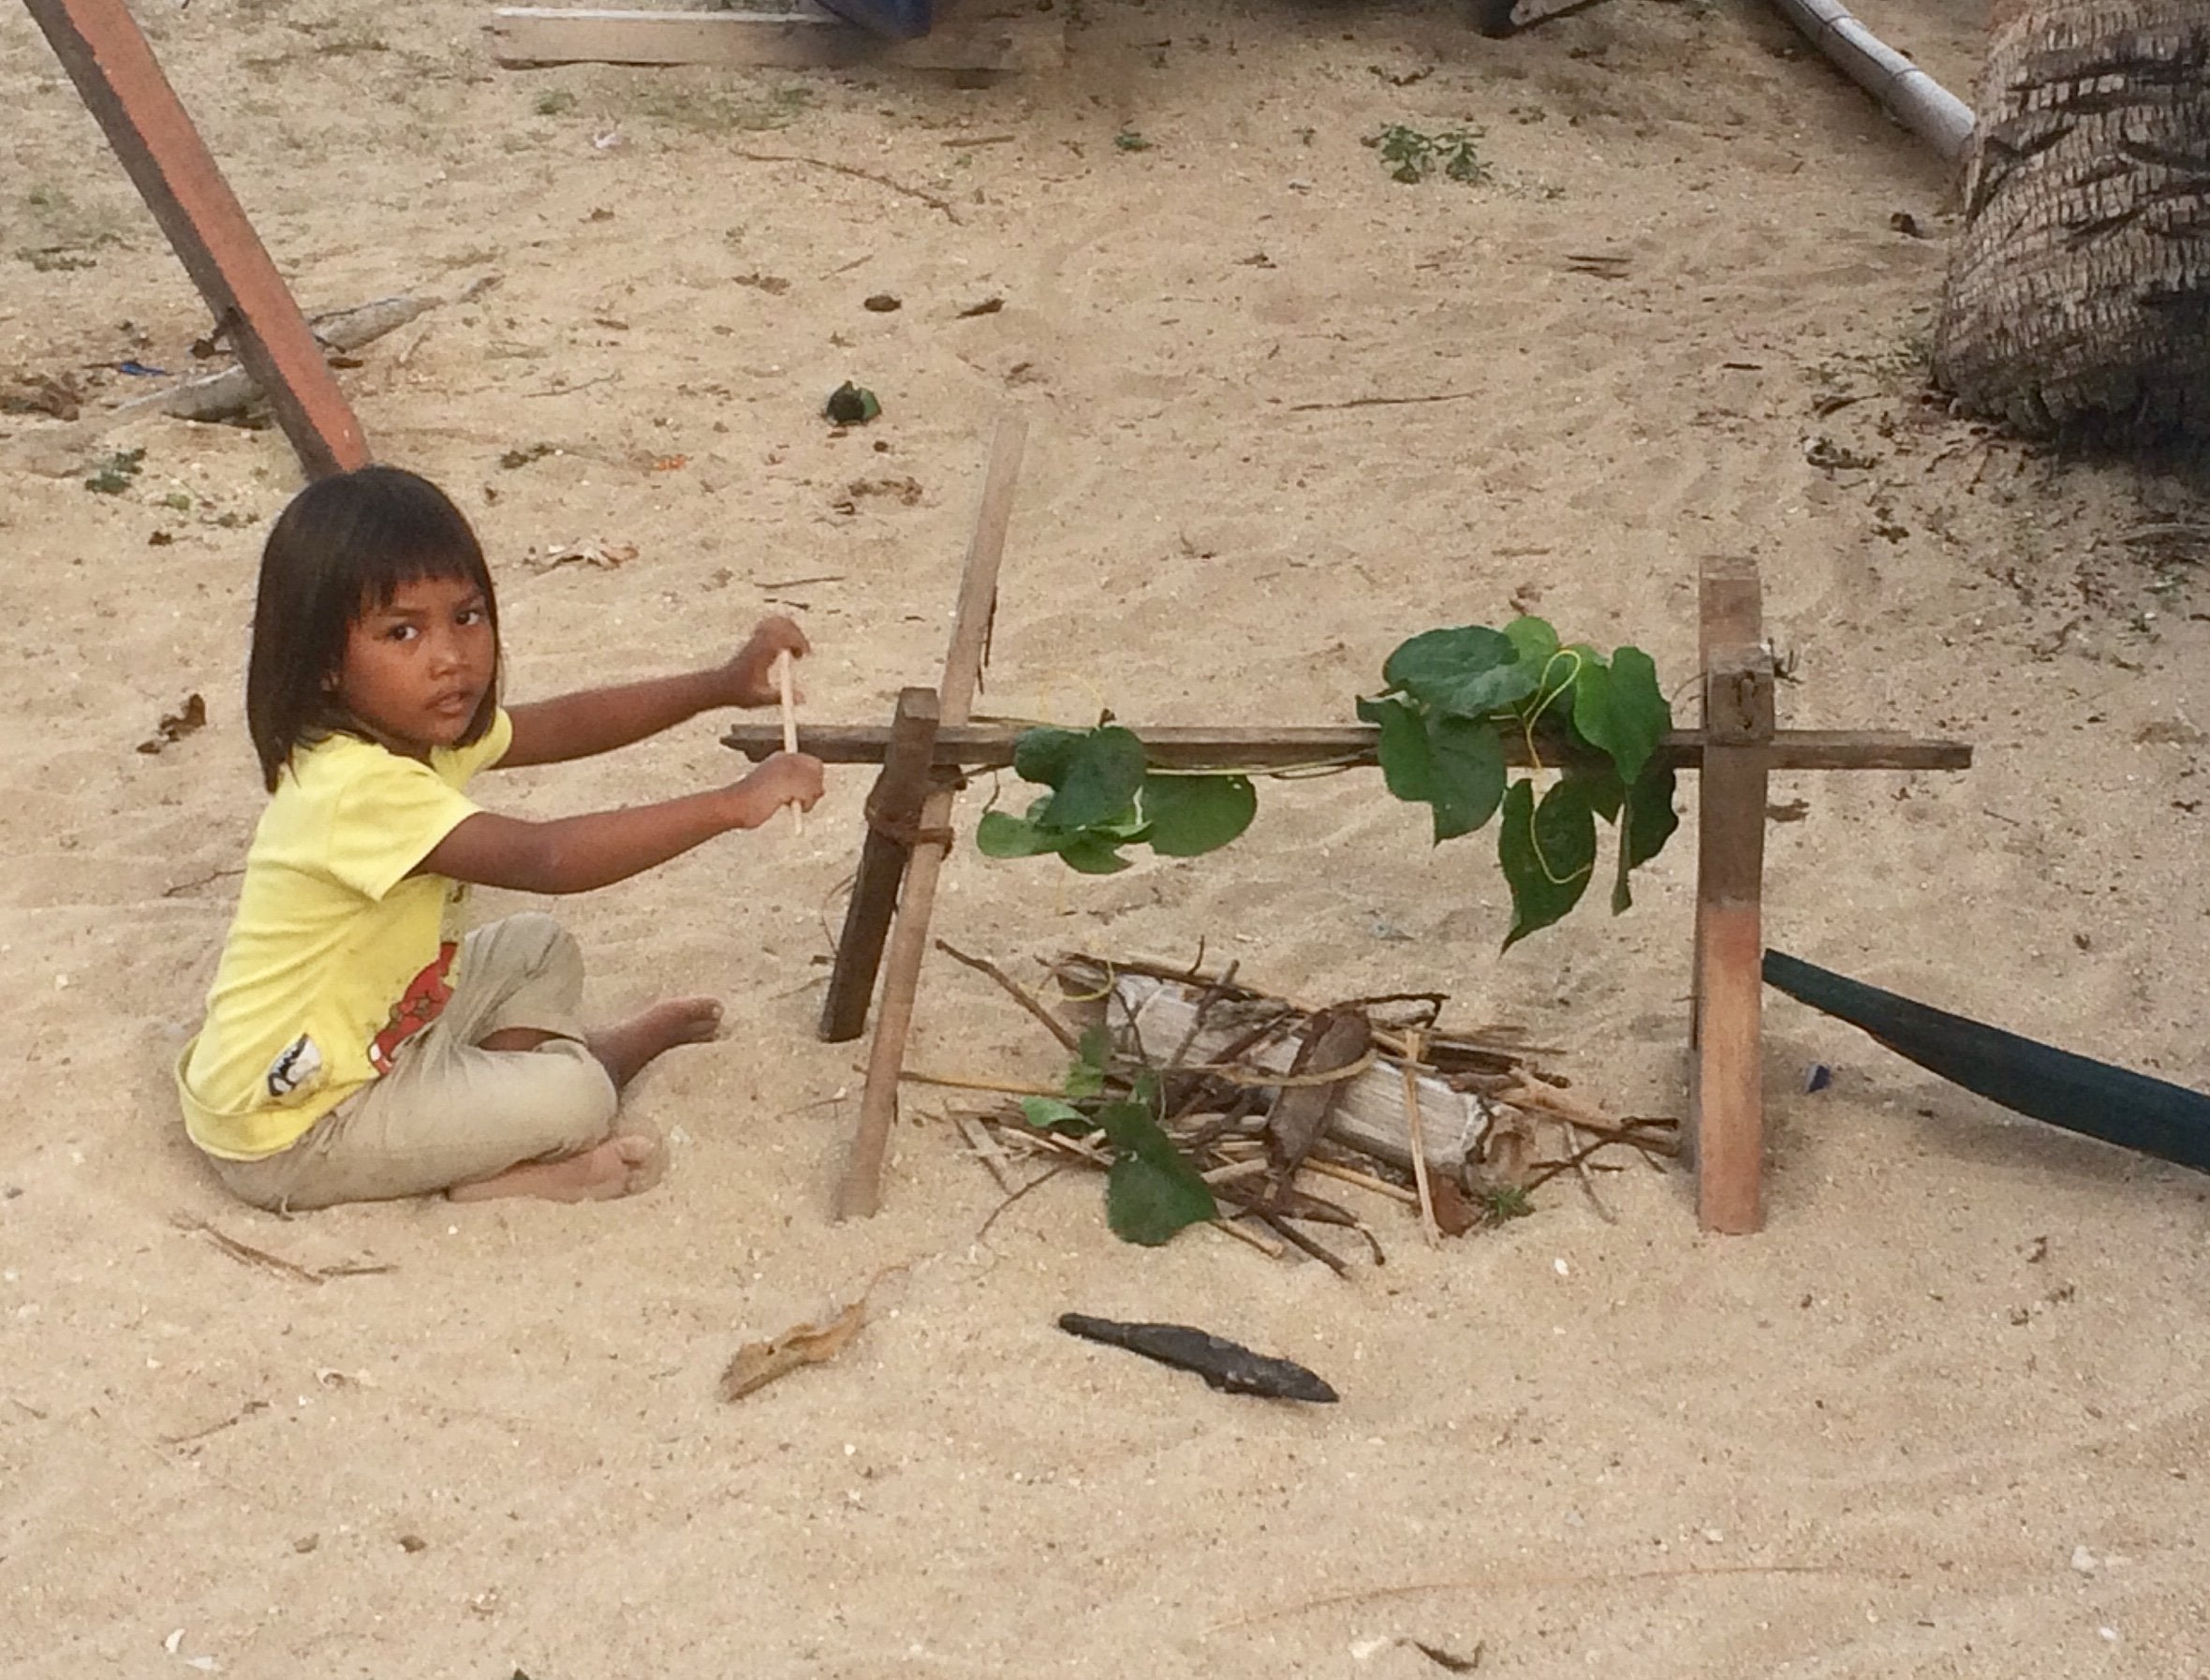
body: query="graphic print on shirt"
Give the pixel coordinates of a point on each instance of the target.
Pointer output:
(422, 1003)
(296, 1067)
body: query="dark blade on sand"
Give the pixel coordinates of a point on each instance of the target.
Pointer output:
(1224, 1365)
(2090, 1098)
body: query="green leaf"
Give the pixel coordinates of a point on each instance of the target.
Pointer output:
(1043, 755)
(1601, 783)
(998, 836)
(1454, 764)
(1092, 854)
(1466, 760)
(1407, 768)
(1048, 1114)
(1087, 1077)
(1548, 852)
(1151, 1192)
(1646, 822)
(1471, 671)
(1622, 710)
(1534, 640)
(1103, 774)
(1190, 814)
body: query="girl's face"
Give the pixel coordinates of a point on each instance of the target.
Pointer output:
(416, 669)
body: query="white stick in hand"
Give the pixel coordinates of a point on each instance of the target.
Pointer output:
(790, 726)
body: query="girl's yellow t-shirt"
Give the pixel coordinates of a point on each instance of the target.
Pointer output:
(337, 955)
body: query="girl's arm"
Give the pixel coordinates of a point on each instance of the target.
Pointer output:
(597, 720)
(574, 854)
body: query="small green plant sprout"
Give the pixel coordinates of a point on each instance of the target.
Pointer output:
(1500, 1202)
(1128, 140)
(1150, 1191)
(1104, 796)
(113, 475)
(1410, 157)
(554, 102)
(1452, 699)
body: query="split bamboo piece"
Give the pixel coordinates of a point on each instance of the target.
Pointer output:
(860, 1192)
(789, 709)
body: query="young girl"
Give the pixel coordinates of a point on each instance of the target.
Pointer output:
(356, 1046)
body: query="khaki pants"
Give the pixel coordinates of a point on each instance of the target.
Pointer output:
(449, 1111)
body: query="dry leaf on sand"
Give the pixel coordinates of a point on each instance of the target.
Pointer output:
(606, 556)
(759, 1364)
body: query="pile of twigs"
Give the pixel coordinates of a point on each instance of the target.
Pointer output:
(1273, 1103)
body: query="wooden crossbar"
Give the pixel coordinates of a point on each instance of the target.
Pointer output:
(990, 746)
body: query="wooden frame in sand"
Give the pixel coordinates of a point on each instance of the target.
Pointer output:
(930, 744)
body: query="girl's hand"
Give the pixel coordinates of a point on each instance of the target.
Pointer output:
(781, 779)
(750, 677)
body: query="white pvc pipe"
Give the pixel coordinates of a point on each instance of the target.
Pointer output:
(1914, 98)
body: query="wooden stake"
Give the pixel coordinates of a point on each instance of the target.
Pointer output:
(122, 86)
(1726, 1098)
(860, 1192)
(789, 709)
(893, 815)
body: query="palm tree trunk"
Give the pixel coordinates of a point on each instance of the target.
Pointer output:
(2079, 295)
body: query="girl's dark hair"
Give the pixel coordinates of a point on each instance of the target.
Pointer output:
(342, 549)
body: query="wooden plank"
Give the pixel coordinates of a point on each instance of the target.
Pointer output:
(990, 746)
(122, 85)
(860, 1192)
(894, 804)
(1726, 1097)
(973, 38)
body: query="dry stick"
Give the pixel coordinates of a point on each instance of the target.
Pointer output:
(860, 1192)
(1415, 1042)
(952, 1082)
(1441, 396)
(1364, 1180)
(1297, 1239)
(789, 709)
(1213, 992)
(986, 1149)
(930, 199)
(1542, 1172)
(1261, 1079)
(1528, 1091)
(1041, 1178)
(1580, 1170)
(1271, 1251)
(1016, 991)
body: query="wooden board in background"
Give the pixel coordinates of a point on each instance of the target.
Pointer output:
(979, 37)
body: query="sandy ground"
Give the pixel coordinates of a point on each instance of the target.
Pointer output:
(1947, 1417)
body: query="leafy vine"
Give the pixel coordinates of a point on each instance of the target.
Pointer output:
(1452, 703)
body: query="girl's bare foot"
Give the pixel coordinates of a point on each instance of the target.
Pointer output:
(625, 1164)
(624, 1050)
